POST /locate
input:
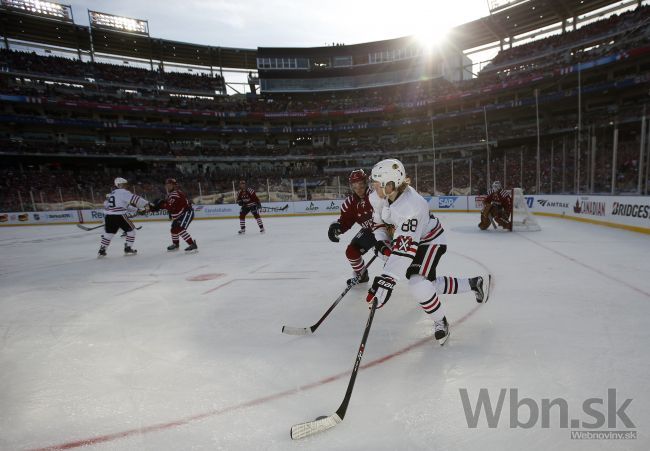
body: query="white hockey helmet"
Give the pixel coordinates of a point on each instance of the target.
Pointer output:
(390, 170)
(119, 181)
(496, 185)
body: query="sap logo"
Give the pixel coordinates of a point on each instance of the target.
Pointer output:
(311, 207)
(332, 206)
(447, 201)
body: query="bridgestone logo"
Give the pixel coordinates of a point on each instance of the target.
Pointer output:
(631, 210)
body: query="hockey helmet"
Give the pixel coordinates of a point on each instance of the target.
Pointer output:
(171, 181)
(496, 185)
(390, 170)
(358, 175)
(119, 181)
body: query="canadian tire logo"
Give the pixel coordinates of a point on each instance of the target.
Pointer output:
(311, 207)
(576, 208)
(589, 207)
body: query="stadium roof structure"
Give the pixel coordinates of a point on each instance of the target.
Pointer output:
(521, 17)
(25, 27)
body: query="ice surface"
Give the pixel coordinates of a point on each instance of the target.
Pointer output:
(129, 353)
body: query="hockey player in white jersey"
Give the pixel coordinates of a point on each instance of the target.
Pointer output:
(415, 250)
(117, 205)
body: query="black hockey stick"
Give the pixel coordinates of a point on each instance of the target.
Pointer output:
(310, 330)
(265, 208)
(323, 423)
(88, 229)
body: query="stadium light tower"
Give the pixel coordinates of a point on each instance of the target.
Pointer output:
(119, 24)
(50, 10)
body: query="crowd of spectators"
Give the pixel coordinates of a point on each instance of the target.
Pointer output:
(617, 24)
(52, 184)
(97, 72)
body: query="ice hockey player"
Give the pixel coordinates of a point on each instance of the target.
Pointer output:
(116, 208)
(497, 205)
(181, 213)
(417, 246)
(249, 203)
(356, 209)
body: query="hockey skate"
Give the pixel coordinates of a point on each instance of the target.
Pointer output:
(128, 250)
(192, 247)
(173, 247)
(441, 330)
(241, 231)
(102, 252)
(358, 279)
(262, 230)
(477, 286)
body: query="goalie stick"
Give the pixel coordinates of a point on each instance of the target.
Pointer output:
(289, 330)
(323, 423)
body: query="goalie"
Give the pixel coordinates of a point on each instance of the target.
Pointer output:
(497, 206)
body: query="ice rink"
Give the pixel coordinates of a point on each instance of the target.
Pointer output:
(184, 352)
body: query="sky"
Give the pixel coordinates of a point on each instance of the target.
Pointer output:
(288, 23)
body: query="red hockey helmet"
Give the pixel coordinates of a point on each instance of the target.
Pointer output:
(171, 181)
(358, 175)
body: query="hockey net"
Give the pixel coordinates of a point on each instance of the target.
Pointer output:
(522, 219)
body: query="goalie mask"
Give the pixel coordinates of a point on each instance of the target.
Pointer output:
(496, 185)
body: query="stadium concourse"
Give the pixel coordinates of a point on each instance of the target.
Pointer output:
(173, 351)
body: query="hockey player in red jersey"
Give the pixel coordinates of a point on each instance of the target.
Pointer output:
(356, 209)
(497, 205)
(181, 213)
(249, 203)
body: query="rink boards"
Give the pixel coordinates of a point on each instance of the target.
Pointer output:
(627, 212)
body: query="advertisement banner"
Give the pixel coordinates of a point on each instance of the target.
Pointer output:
(628, 212)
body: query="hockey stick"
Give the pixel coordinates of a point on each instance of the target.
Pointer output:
(323, 423)
(289, 330)
(88, 229)
(265, 208)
